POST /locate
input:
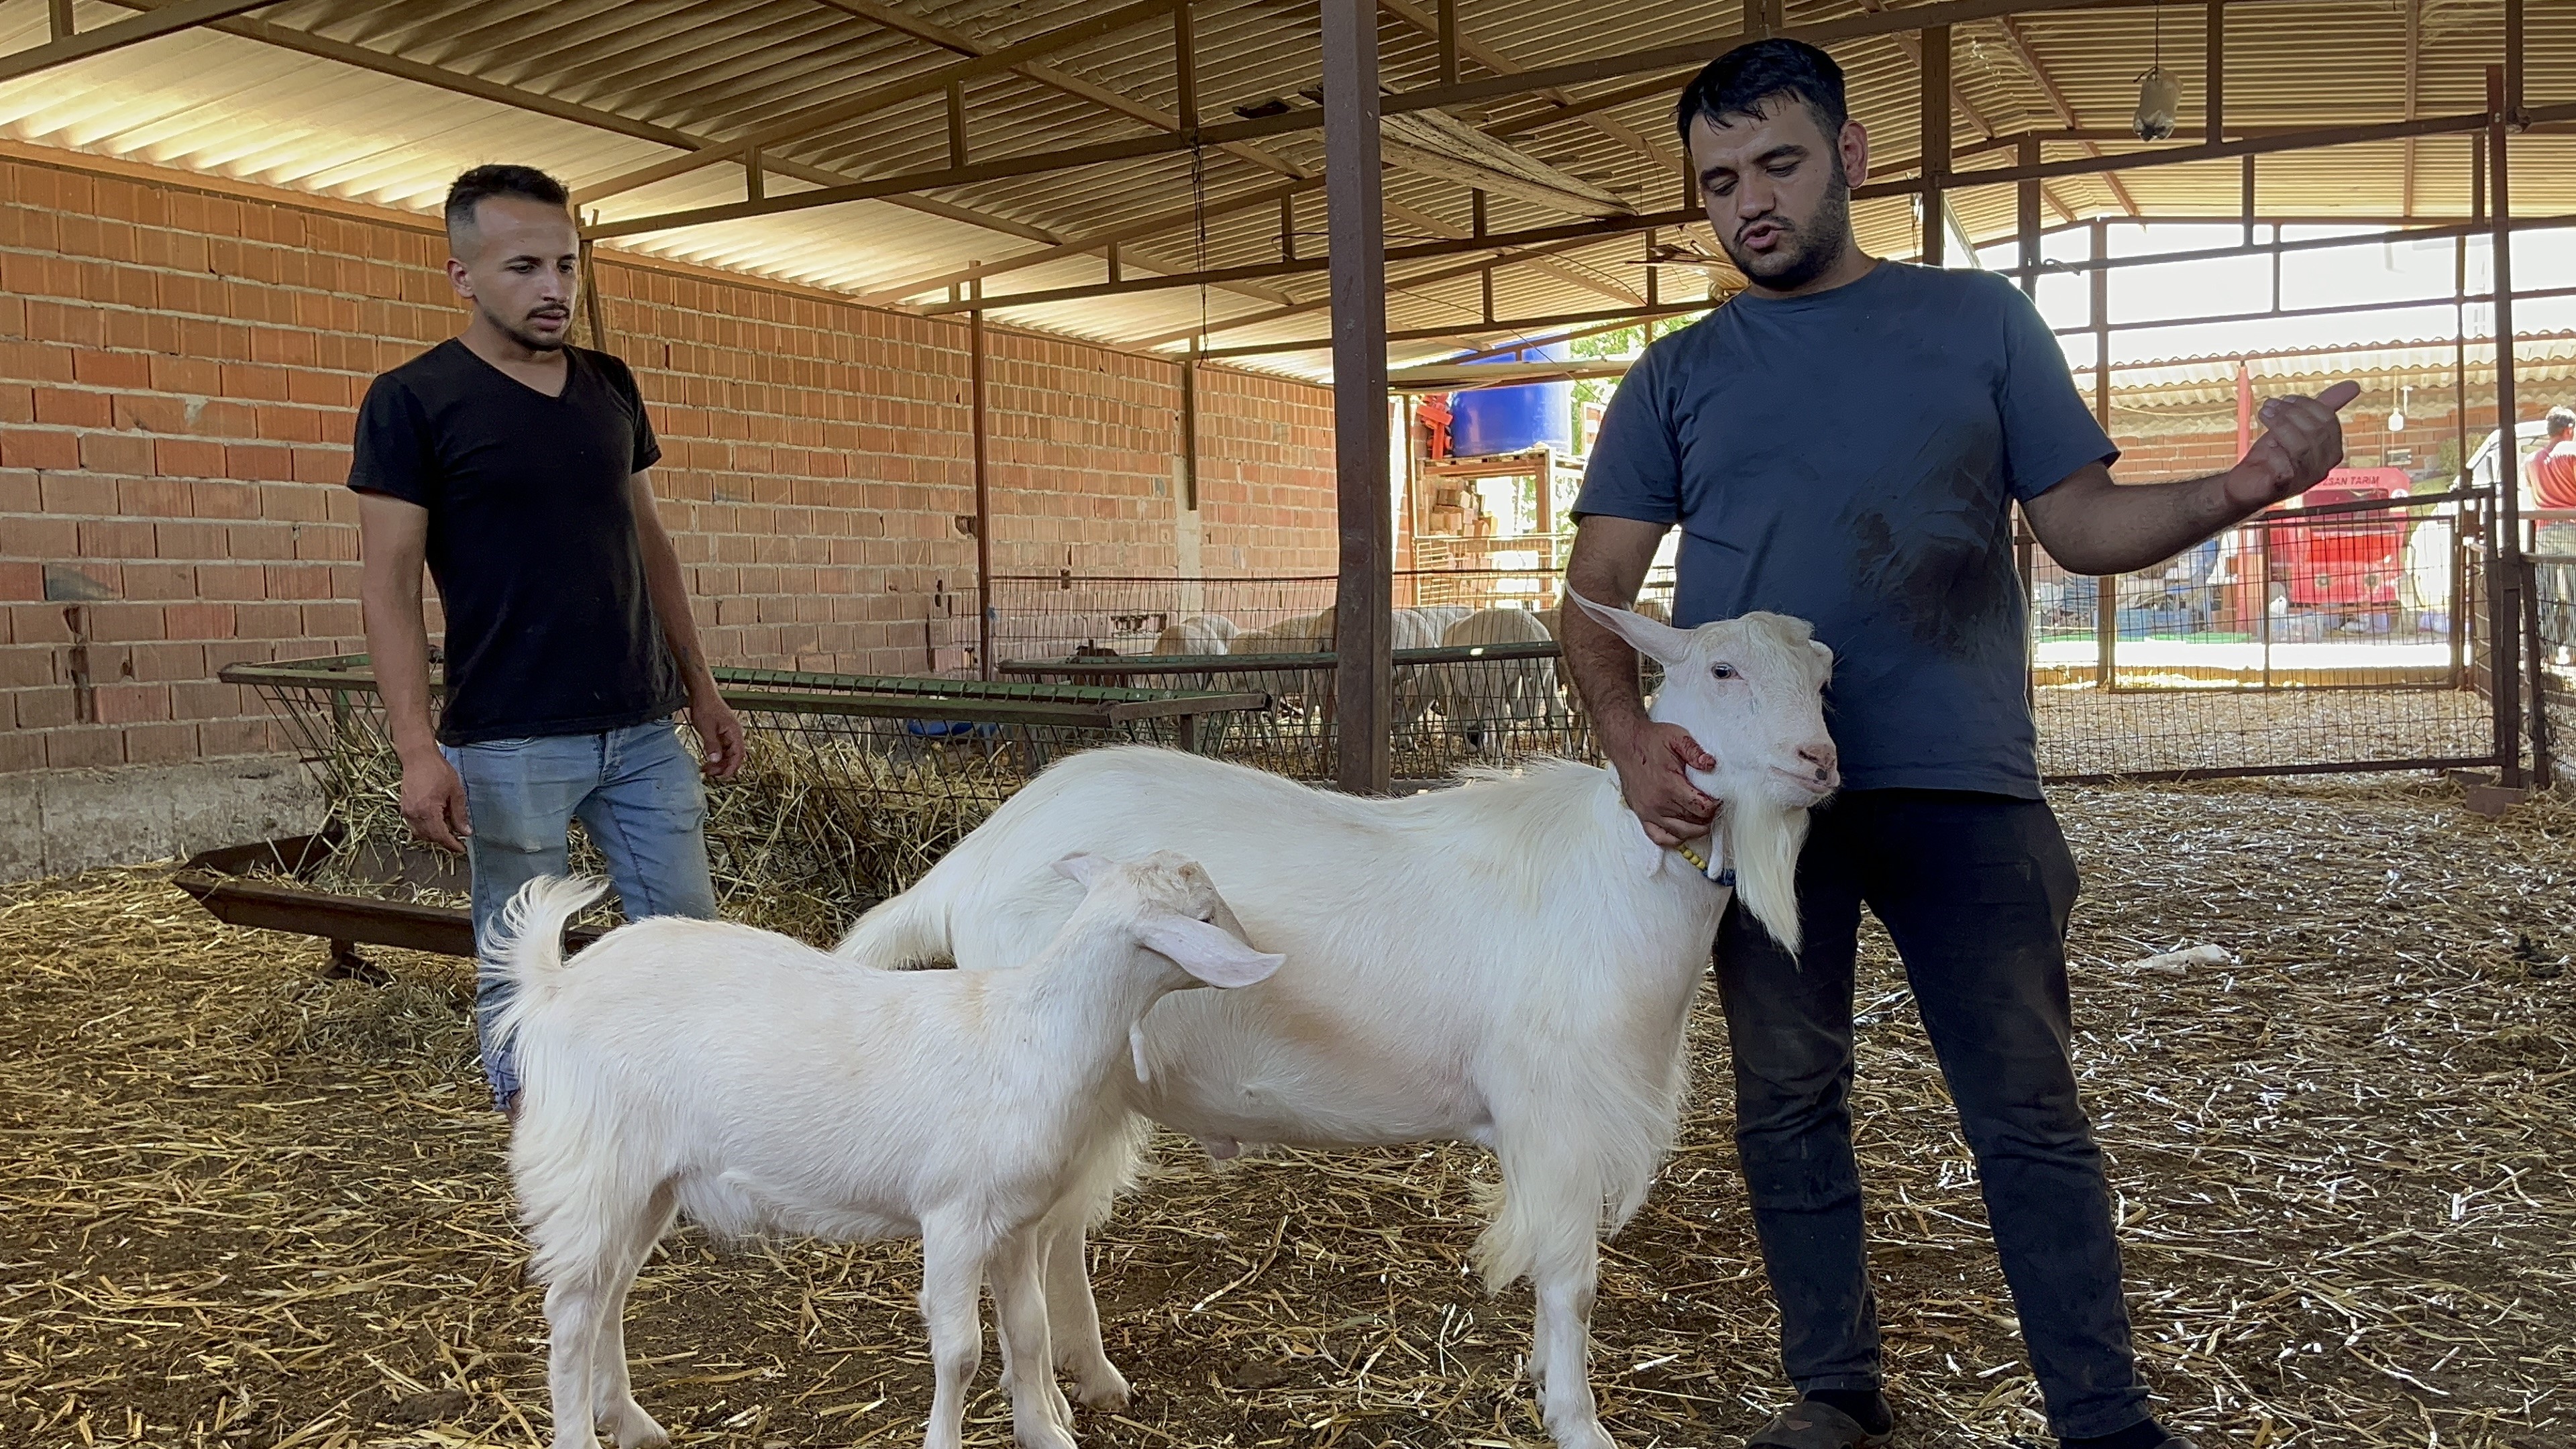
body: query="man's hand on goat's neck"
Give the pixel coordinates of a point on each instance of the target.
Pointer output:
(1651, 757)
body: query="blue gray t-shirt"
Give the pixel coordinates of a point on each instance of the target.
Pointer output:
(1850, 458)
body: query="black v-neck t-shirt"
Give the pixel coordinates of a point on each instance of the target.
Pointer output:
(550, 627)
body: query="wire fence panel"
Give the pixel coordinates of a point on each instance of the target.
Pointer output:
(2318, 639)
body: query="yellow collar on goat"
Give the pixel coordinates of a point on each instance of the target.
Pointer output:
(1725, 877)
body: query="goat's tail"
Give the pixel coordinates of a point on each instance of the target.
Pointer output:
(908, 930)
(528, 941)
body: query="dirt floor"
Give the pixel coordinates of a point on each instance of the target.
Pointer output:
(246, 1204)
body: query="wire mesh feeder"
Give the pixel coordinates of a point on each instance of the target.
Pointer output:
(852, 786)
(1489, 704)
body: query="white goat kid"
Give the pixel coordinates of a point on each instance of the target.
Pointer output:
(1509, 963)
(762, 1086)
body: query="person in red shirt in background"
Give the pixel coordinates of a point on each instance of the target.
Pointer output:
(2552, 477)
(2553, 468)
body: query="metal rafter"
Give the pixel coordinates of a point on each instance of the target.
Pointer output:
(2065, 112)
(1501, 257)
(1493, 60)
(68, 46)
(833, 114)
(1911, 42)
(457, 82)
(2414, 78)
(1072, 85)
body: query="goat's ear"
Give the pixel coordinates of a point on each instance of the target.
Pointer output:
(1207, 952)
(1082, 867)
(1824, 655)
(1662, 643)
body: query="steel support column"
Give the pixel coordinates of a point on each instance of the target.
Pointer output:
(2505, 581)
(983, 491)
(1355, 205)
(2106, 587)
(1936, 139)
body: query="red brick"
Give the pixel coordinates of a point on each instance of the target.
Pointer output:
(50, 707)
(35, 448)
(21, 582)
(250, 382)
(152, 497)
(157, 580)
(221, 499)
(160, 744)
(270, 621)
(163, 663)
(187, 458)
(189, 540)
(115, 538)
(20, 752)
(197, 621)
(216, 738)
(206, 699)
(124, 453)
(152, 413)
(236, 582)
(76, 493)
(191, 375)
(38, 624)
(27, 666)
(298, 581)
(84, 748)
(64, 408)
(111, 369)
(321, 465)
(255, 462)
(117, 623)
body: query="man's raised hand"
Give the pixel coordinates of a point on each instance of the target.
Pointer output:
(2302, 441)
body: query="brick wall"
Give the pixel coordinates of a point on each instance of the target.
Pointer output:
(179, 362)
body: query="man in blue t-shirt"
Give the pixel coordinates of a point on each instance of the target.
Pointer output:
(1844, 442)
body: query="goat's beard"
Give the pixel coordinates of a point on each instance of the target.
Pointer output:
(1762, 844)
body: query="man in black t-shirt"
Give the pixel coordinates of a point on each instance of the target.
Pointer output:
(514, 466)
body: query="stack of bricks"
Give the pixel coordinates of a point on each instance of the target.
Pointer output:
(180, 364)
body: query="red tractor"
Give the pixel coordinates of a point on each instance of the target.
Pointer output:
(2345, 564)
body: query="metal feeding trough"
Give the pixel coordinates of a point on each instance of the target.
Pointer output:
(862, 742)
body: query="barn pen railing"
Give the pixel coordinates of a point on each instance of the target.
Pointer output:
(854, 785)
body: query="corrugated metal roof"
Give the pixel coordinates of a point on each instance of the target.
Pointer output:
(642, 77)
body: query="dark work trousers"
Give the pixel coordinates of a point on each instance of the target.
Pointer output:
(1975, 890)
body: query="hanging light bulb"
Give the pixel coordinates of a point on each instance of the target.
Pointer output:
(2397, 418)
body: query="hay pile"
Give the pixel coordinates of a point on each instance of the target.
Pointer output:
(818, 826)
(249, 1205)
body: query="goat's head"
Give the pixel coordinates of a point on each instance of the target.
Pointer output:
(1751, 691)
(1174, 912)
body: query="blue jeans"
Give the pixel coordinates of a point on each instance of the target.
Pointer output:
(635, 790)
(1975, 890)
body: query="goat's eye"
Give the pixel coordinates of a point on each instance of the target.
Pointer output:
(1721, 671)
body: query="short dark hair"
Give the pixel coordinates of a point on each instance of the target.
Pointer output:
(2560, 420)
(474, 187)
(1742, 81)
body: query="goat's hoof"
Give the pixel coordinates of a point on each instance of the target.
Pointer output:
(1102, 1386)
(1586, 1435)
(632, 1428)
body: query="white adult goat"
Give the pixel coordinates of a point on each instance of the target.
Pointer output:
(1476, 697)
(1509, 963)
(762, 1086)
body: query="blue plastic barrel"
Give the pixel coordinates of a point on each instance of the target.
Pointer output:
(1511, 419)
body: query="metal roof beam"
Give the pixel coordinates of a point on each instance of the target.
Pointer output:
(1502, 257)
(1093, 241)
(829, 114)
(68, 46)
(2065, 112)
(1072, 85)
(365, 58)
(1578, 233)
(1520, 326)
(1493, 60)
(1912, 45)
(1662, 58)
